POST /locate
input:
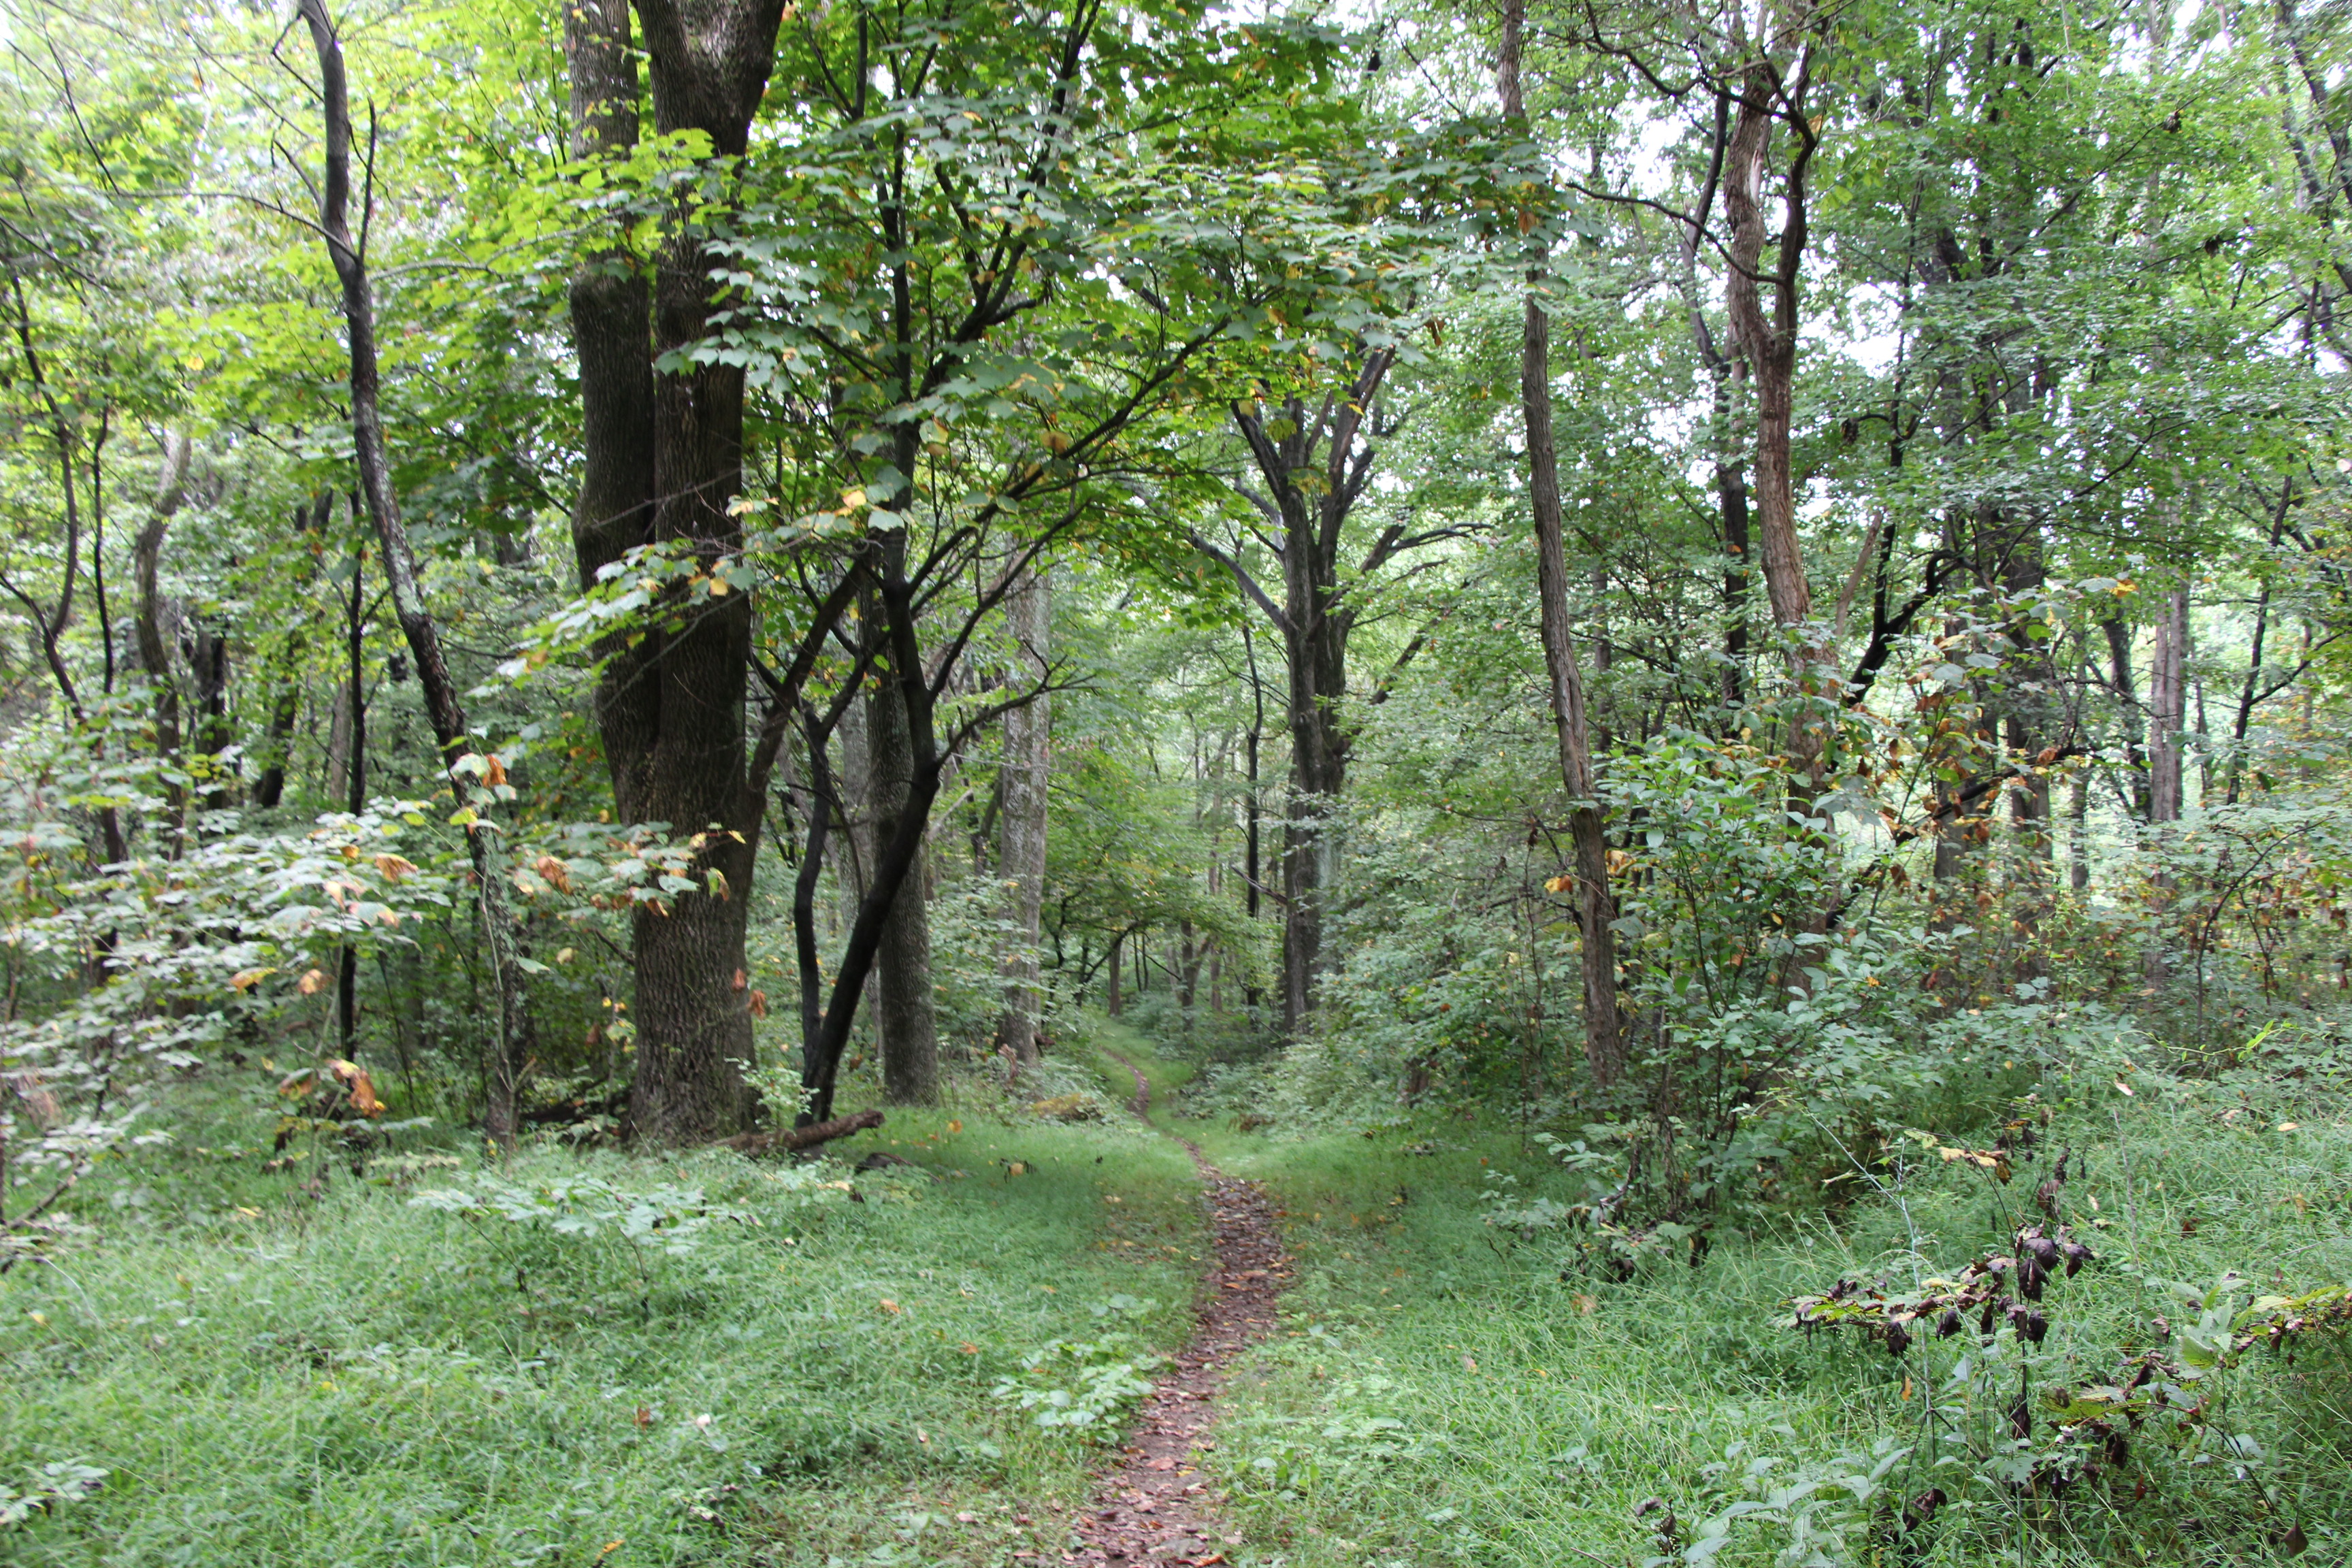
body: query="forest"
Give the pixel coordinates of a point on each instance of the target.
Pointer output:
(975, 782)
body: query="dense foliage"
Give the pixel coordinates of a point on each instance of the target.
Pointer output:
(1749, 593)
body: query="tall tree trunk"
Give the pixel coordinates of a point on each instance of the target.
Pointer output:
(1738, 541)
(1023, 784)
(441, 700)
(1314, 618)
(2031, 724)
(155, 646)
(1770, 98)
(904, 1010)
(347, 970)
(1317, 776)
(1604, 1047)
(210, 733)
(1725, 371)
(2135, 722)
(1253, 809)
(664, 463)
(147, 563)
(1769, 343)
(2078, 834)
(2166, 701)
(285, 705)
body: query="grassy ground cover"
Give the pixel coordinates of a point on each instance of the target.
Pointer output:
(704, 1360)
(1447, 1390)
(274, 1372)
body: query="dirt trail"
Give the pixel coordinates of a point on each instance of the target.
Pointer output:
(1152, 1507)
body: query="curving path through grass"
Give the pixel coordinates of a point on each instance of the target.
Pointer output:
(1152, 1507)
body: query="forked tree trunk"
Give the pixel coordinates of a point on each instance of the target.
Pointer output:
(1770, 98)
(1337, 444)
(662, 464)
(1024, 778)
(1604, 1046)
(1769, 343)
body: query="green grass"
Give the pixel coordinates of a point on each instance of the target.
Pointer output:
(1443, 1392)
(279, 1376)
(275, 1376)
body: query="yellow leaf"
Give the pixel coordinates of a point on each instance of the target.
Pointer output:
(247, 979)
(311, 983)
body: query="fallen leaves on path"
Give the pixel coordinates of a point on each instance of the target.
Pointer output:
(1145, 1511)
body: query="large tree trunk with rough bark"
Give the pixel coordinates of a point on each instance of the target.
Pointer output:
(663, 463)
(1024, 778)
(1318, 776)
(1604, 1049)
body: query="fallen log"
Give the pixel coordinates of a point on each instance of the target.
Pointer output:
(784, 1140)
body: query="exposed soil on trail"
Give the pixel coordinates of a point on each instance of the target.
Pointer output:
(1153, 1507)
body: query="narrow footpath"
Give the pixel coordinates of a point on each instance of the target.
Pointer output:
(1152, 1507)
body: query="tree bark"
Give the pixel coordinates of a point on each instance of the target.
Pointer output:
(1026, 772)
(899, 844)
(2078, 834)
(1314, 620)
(1604, 1049)
(904, 1010)
(347, 968)
(154, 648)
(2119, 662)
(2166, 701)
(286, 706)
(1769, 343)
(442, 707)
(664, 461)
